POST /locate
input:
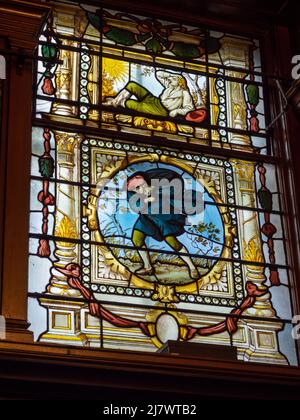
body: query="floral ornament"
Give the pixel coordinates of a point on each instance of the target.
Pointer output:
(48, 88)
(50, 54)
(46, 168)
(253, 100)
(252, 92)
(268, 229)
(154, 36)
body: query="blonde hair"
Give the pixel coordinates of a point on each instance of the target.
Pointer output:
(182, 82)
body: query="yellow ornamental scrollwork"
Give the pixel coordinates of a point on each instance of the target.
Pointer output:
(65, 228)
(66, 142)
(165, 293)
(90, 211)
(244, 169)
(252, 251)
(151, 124)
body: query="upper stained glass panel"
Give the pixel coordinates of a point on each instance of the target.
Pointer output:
(118, 71)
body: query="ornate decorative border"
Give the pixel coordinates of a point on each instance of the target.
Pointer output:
(90, 225)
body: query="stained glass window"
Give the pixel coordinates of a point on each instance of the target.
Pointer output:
(124, 101)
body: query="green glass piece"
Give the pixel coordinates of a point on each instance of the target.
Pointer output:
(121, 36)
(154, 46)
(253, 94)
(180, 49)
(46, 166)
(265, 199)
(48, 51)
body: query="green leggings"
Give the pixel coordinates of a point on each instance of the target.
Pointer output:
(146, 102)
(138, 239)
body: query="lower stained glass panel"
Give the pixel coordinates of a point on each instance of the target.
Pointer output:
(107, 270)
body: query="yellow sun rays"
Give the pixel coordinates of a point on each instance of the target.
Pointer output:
(115, 69)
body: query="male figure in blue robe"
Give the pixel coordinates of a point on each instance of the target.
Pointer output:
(149, 194)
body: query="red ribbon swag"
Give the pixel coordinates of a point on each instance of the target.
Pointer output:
(230, 325)
(72, 271)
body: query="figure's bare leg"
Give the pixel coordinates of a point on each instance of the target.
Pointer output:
(138, 239)
(146, 259)
(188, 260)
(177, 246)
(118, 100)
(132, 88)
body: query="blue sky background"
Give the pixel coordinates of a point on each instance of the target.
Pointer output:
(116, 218)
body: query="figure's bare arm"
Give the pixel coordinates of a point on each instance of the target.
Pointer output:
(162, 77)
(187, 104)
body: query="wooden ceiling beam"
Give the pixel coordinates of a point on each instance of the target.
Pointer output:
(21, 22)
